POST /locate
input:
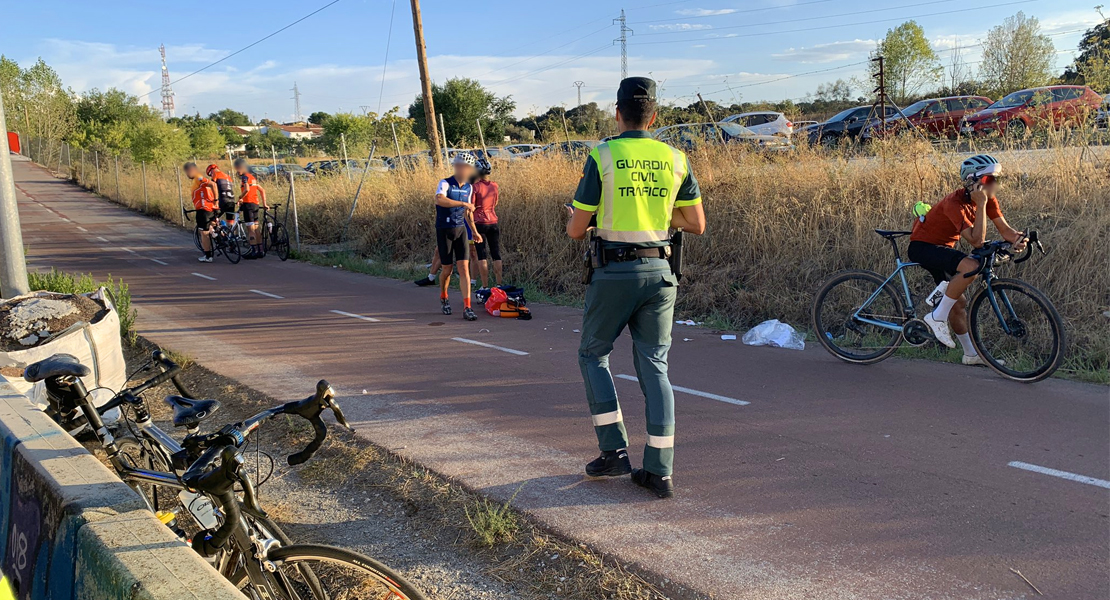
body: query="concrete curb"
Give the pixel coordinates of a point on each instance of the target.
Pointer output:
(70, 529)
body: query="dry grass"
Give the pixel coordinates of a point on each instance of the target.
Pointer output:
(778, 226)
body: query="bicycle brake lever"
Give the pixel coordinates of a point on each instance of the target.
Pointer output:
(250, 494)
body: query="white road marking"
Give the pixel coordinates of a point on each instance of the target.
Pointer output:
(164, 264)
(491, 346)
(1102, 483)
(353, 315)
(101, 239)
(203, 276)
(82, 229)
(686, 390)
(267, 294)
(128, 250)
(65, 219)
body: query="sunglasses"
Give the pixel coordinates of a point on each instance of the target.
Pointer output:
(989, 179)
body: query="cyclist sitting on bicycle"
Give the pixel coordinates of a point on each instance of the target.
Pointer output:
(961, 214)
(252, 194)
(204, 196)
(226, 194)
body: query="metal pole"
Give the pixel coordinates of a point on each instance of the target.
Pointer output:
(146, 198)
(444, 129)
(293, 203)
(97, 157)
(566, 131)
(358, 191)
(13, 265)
(343, 143)
(273, 153)
(83, 160)
(180, 196)
(396, 144)
(118, 197)
(425, 84)
(482, 138)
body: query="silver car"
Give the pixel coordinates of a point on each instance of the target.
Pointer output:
(764, 123)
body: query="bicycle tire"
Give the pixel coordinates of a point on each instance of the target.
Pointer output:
(1012, 366)
(326, 562)
(230, 248)
(281, 242)
(139, 456)
(828, 332)
(196, 239)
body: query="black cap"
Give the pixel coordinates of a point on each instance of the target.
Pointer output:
(636, 88)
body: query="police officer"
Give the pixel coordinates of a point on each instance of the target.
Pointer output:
(633, 190)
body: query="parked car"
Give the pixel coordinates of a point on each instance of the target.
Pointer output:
(800, 125)
(410, 162)
(1052, 106)
(260, 171)
(574, 149)
(847, 124)
(689, 136)
(934, 116)
(518, 149)
(285, 170)
(764, 123)
(1102, 117)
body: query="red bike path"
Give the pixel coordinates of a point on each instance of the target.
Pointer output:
(798, 476)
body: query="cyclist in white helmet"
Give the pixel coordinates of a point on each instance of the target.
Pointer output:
(454, 221)
(963, 214)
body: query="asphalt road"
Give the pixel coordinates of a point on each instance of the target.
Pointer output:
(798, 476)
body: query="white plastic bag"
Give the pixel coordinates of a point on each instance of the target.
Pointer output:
(96, 345)
(775, 333)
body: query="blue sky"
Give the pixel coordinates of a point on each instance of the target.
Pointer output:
(535, 51)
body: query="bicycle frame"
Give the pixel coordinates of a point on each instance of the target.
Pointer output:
(899, 272)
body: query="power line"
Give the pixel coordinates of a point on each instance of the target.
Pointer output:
(762, 33)
(385, 61)
(251, 45)
(734, 12)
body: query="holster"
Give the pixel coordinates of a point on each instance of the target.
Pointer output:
(595, 256)
(676, 255)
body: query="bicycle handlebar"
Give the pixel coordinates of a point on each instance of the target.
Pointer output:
(986, 253)
(170, 372)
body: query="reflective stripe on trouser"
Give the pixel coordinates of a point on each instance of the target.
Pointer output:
(646, 306)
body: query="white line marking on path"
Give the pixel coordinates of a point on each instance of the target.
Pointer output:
(686, 390)
(1102, 483)
(128, 250)
(164, 264)
(203, 276)
(491, 346)
(353, 315)
(82, 229)
(267, 294)
(101, 239)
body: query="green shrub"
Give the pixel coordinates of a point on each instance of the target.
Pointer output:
(84, 283)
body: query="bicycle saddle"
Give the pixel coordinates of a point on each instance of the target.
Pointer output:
(58, 365)
(189, 413)
(892, 234)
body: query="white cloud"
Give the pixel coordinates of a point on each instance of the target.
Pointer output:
(825, 53)
(705, 12)
(1070, 21)
(681, 27)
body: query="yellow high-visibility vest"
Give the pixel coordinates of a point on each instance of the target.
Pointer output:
(640, 178)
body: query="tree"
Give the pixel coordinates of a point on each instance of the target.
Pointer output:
(205, 139)
(360, 131)
(228, 116)
(318, 118)
(1092, 65)
(35, 102)
(462, 102)
(1016, 55)
(909, 61)
(837, 91)
(107, 119)
(159, 143)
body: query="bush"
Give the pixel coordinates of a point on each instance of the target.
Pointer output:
(84, 283)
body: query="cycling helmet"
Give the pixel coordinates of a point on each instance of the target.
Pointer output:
(978, 165)
(484, 167)
(210, 170)
(465, 158)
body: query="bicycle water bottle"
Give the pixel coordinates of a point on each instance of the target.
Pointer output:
(201, 508)
(269, 227)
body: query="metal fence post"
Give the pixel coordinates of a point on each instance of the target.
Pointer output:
(443, 128)
(273, 153)
(293, 203)
(346, 165)
(396, 144)
(146, 198)
(82, 167)
(361, 180)
(180, 197)
(119, 198)
(97, 157)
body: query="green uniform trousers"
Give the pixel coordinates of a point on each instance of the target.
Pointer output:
(640, 295)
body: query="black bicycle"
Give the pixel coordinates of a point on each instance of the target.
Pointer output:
(223, 240)
(274, 234)
(861, 317)
(208, 474)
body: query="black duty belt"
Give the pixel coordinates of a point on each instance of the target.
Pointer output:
(627, 254)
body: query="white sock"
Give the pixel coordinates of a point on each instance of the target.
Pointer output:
(965, 341)
(431, 277)
(944, 307)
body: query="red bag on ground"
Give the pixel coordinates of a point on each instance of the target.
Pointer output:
(493, 303)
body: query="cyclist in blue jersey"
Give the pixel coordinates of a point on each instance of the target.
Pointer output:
(454, 220)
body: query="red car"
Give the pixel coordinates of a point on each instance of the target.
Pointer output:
(1052, 106)
(935, 116)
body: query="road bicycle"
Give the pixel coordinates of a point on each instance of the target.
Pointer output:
(223, 240)
(209, 478)
(861, 317)
(274, 234)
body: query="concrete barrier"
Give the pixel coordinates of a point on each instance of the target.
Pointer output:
(71, 530)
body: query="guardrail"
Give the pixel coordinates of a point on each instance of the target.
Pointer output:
(71, 530)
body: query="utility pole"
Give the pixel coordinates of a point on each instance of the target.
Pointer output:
(878, 108)
(296, 104)
(13, 268)
(426, 84)
(579, 84)
(623, 39)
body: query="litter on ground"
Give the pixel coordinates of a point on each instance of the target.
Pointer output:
(728, 336)
(776, 334)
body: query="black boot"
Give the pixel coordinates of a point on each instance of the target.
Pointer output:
(660, 486)
(611, 463)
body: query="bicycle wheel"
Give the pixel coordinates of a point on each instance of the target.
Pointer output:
(839, 330)
(137, 455)
(1024, 339)
(340, 575)
(196, 239)
(280, 241)
(229, 247)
